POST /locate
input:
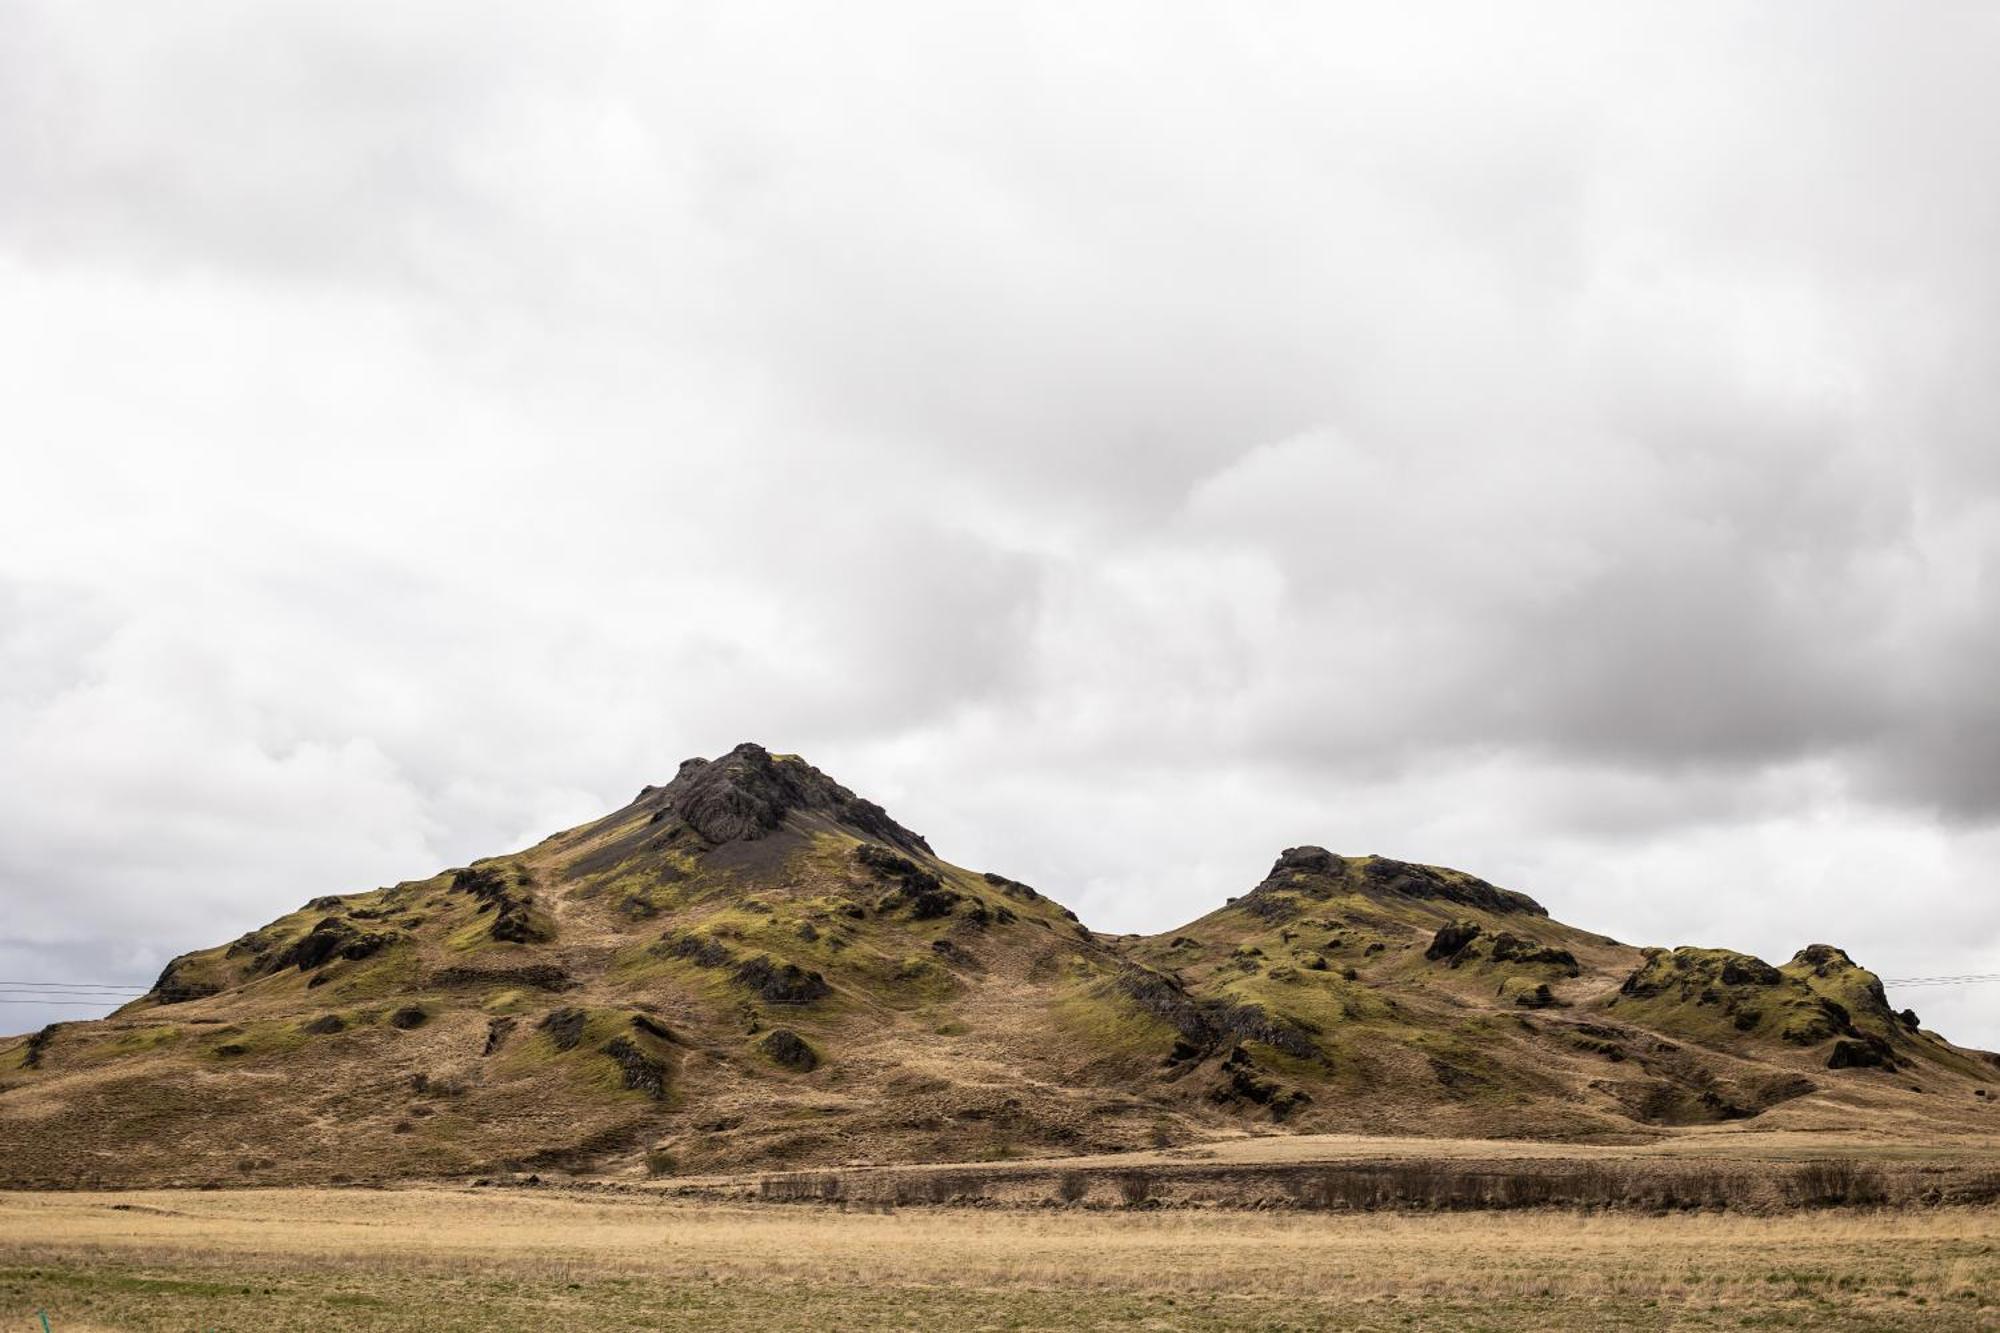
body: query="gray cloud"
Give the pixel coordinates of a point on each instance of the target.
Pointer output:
(1123, 442)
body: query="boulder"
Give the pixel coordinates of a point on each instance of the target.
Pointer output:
(780, 983)
(787, 1048)
(641, 1071)
(1451, 940)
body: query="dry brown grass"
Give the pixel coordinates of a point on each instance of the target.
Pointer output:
(439, 1259)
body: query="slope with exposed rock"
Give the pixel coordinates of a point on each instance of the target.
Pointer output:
(751, 965)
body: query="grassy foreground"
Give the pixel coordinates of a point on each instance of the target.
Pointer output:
(441, 1260)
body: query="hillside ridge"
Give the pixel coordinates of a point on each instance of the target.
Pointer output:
(752, 966)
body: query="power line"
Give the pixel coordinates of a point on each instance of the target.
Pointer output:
(67, 991)
(74, 985)
(115, 1004)
(1968, 979)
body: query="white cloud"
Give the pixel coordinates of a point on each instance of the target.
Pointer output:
(1123, 441)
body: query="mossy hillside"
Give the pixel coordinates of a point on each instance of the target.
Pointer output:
(1725, 999)
(1831, 974)
(382, 920)
(251, 1042)
(83, 1046)
(1321, 999)
(703, 962)
(390, 974)
(1096, 1018)
(574, 1063)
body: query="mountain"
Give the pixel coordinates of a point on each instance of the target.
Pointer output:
(753, 966)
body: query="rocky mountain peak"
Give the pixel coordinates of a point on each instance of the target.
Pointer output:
(748, 792)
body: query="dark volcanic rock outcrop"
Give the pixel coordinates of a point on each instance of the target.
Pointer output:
(1452, 939)
(511, 898)
(642, 1073)
(1317, 873)
(1205, 1025)
(789, 1049)
(748, 792)
(923, 892)
(332, 937)
(780, 983)
(175, 986)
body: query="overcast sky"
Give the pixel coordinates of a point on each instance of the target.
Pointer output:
(1557, 442)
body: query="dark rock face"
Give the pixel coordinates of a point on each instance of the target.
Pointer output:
(1013, 888)
(1510, 948)
(776, 983)
(790, 1050)
(484, 883)
(1205, 1025)
(1748, 971)
(1325, 873)
(497, 1032)
(326, 1025)
(1241, 1083)
(747, 793)
(701, 950)
(890, 865)
(541, 976)
(1541, 997)
(173, 988)
(565, 1027)
(516, 926)
(642, 1072)
(1414, 881)
(408, 1017)
(38, 1046)
(653, 1027)
(1451, 940)
(332, 938)
(1272, 907)
(918, 889)
(1307, 860)
(1694, 973)
(931, 904)
(510, 899)
(1824, 959)
(1862, 1053)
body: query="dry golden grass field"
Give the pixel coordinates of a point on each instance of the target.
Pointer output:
(460, 1259)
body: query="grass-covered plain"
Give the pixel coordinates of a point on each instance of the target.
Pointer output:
(442, 1260)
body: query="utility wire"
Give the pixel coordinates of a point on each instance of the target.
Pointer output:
(61, 993)
(114, 1004)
